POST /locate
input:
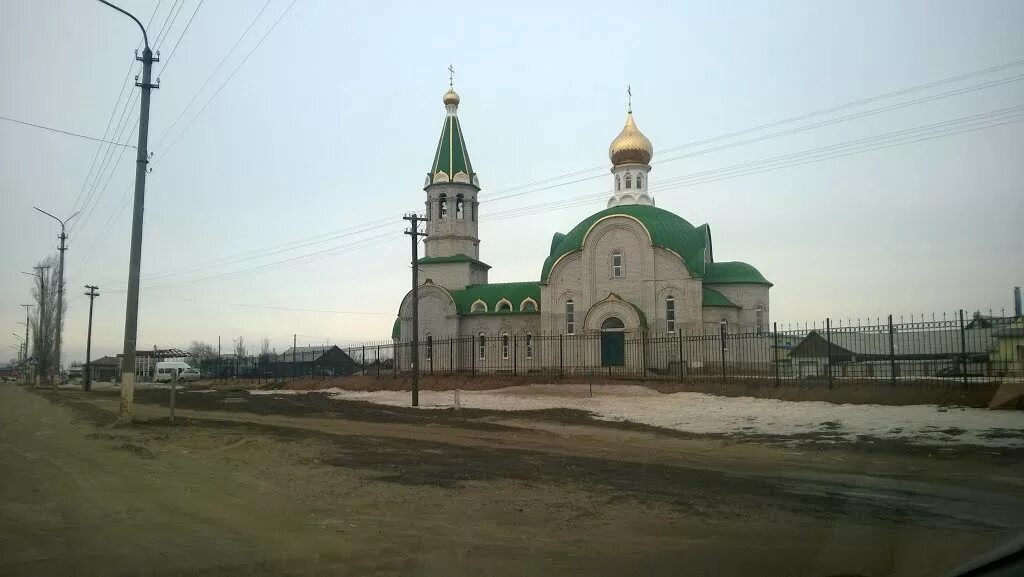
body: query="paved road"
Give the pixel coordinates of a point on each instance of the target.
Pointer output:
(243, 494)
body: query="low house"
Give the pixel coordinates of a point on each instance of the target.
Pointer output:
(327, 360)
(1008, 356)
(105, 369)
(920, 352)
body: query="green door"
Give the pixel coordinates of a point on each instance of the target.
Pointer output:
(613, 348)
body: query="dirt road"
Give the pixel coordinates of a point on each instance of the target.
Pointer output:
(246, 486)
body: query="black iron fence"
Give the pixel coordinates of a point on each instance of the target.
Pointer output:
(952, 349)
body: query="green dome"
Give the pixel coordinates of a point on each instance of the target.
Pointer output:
(733, 273)
(666, 230)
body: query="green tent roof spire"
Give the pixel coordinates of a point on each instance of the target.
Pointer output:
(451, 157)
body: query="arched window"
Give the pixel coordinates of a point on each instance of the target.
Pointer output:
(504, 346)
(629, 181)
(640, 181)
(570, 317)
(472, 208)
(430, 347)
(618, 183)
(617, 264)
(529, 346)
(442, 206)
(504, 306)
(460, 212)
(482, 345)
(528, 305)
(670, 313)
(478, 307)
(759, 319)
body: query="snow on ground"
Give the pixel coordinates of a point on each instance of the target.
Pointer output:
(710, 414)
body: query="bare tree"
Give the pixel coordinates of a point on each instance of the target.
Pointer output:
(199, 352)
(44, 319)
(265, 347)
(240, 350)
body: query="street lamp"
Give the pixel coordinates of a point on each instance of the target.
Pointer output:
(60, 282)
(22, 345)
(131, 318)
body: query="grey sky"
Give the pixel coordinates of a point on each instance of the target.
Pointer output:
(332, 123)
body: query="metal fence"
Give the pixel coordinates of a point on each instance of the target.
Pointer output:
(954, 349)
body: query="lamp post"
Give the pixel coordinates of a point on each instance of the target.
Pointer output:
(20, 346)
(131, 320)
(60, 282)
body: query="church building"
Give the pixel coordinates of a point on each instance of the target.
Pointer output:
(631, 268)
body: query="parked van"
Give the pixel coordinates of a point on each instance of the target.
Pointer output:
(170, 371)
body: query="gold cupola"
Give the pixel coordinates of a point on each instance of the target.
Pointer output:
(630, 146)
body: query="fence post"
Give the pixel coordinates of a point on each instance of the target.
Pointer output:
(775, 351)
(451, 355)
(679, 334)
(721, 338)
(828, 337)
(472, 353)
(394, 358)
(515, 355)
(362, 360)
(643, 352)
(561, 357)
(378, 361)
(892, 354)
(963, 348)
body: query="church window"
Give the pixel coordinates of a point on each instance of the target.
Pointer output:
(528, 305)
(670, 313)
(482, 345)
(504, 305)
(460, 212)
(529, 346)
(618, 183)
(472, 207)
(504, 346)
(617, 264)
(759, 319)
(639, 181)
(442, 206)
(570, 317)
(430, 348)
(478, 307)
(629, 181)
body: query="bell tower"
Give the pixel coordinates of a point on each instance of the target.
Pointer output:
(452, 245)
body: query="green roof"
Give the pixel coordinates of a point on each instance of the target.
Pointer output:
(666, 230)
(731, 273)
(451, 156)
(396, 330)
(449, 259)
(713, 298)
(491, 294)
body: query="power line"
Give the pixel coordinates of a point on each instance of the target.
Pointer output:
(879, 110)
(229, 77)
(67, 132)
(167, 59)
(213, 73)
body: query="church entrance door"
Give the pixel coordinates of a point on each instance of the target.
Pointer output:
(613, 343)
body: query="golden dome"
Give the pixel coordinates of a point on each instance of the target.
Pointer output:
(630, 146)
(451, 97)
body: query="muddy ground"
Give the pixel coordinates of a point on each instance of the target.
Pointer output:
(303, 485)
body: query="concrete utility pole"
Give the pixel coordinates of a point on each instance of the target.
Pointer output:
(60, 282)
(131, 319)
(87, 383)
(26, 337)
(415, 234)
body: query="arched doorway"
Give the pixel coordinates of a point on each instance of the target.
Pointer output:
(613, 342)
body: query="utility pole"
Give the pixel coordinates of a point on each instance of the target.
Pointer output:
(92, 294)
(131, 319)
(60, 282)
(26, 338)
(415, 234)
